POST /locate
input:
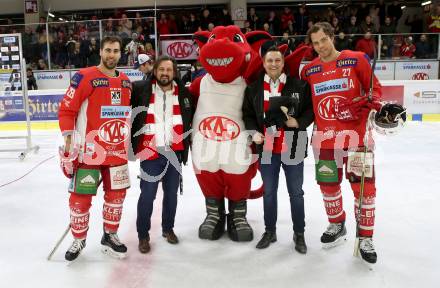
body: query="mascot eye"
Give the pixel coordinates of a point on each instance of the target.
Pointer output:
(238, 38)
(211, 37)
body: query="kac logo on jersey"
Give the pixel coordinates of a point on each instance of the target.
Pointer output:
(219, 128)
(349, 62)
(313, 70)
(115, 95)
(326, 107)
(100, 82)
(115, 112)
(336, 85)
(114, 132)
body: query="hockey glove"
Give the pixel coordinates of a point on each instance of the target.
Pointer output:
(350, 109)
(68, 162)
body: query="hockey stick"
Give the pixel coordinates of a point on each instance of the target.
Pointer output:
(364, 155)
(49, 257)
(361, 192)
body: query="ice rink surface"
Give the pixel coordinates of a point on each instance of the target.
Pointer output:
(34, 213)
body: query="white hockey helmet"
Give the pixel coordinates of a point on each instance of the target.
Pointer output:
(390, 119)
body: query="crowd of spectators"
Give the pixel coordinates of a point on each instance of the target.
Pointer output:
(76, 44)
(356, 27)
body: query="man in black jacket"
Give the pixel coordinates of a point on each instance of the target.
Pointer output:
(161, 118)
(285, 146)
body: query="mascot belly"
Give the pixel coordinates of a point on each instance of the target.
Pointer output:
(219, 141)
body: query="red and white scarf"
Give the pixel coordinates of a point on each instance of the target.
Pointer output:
(149, 149)
(271, 143)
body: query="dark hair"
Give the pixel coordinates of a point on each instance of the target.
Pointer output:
(166, 58)
(324, 26)
(272, 48)
(111, 39)
(268, 46)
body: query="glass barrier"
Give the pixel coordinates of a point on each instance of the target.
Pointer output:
(75, 44)
(34, 38)
(137, 36)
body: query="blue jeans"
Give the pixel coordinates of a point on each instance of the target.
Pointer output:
(170, 184)
(294, 178)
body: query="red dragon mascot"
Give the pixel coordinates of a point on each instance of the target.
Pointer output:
(221, 150)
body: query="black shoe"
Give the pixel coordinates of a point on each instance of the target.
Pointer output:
(300, 243)
(171, 237)
(366, 247)
(214, 225)
(238, 227)
(267, 238)
(335, 233)
(112, 246)
(75, 249)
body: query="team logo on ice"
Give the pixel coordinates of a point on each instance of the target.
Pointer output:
(114, 132)
(326, 107)
(219, 128)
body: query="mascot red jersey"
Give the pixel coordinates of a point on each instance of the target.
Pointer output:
(221, 152)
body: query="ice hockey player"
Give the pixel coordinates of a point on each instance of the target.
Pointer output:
(94, 120)
(340, 82)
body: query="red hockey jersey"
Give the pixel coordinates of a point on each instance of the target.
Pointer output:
(98, 108)
(346, 77)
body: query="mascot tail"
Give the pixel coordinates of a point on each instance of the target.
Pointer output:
(257, 193)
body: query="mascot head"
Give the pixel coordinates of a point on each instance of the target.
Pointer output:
(224, 52)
